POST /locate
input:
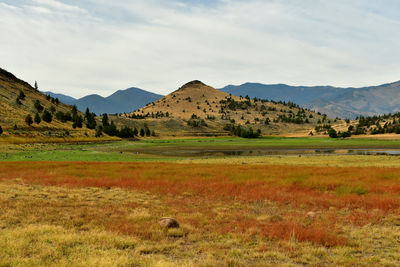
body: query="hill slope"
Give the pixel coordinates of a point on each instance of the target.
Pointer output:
(17, 100)
(334, 101)
(206, 109)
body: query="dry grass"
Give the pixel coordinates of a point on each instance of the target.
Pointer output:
(204, 101)
(305, 160)
(231, 215)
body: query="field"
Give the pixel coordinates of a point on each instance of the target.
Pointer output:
(99, 204)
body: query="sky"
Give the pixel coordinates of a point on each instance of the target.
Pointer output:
(81, 47)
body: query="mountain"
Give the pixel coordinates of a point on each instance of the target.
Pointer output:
(63, 98)
(198, 107)
(333, 101)
(119, 102)
(367, 101)
(281, 92)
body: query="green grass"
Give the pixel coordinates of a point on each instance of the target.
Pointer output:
(149, 150)
(273, 142)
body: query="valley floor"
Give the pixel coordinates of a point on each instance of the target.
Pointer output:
(99, 204)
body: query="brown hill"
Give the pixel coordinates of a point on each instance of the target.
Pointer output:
(200, 108)
(17, 100)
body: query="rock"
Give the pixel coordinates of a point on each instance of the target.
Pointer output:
(167, 222)
(311, 214)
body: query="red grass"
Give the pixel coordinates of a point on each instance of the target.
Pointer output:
(290, 187)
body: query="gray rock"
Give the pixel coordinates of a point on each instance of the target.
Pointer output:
(167, 222)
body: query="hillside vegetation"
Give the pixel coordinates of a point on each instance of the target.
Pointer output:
(198, 108)
(26, 113)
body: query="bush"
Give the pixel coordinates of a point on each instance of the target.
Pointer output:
(38, 106)
(63, 117)
(21, 95)
(28, 120)
(332, 133)
(345, 134)
(47, 117)
(37, 118)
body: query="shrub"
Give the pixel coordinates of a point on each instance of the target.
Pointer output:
(21, 95)
(47, 117)
(38, 106)
(37, 118)
(28, 120)
(332, 133)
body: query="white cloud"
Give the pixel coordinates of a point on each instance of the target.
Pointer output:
(60, 6)
(99, 46)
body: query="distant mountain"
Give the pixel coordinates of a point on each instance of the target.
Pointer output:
(281, 92)
(367, 101)
(63, 98)
(333, 101)
(120, 102)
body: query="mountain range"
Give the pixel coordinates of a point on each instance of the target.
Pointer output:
(333, 101)
(119, 102)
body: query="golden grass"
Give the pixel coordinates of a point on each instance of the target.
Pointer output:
(60, 226)
(305, 160)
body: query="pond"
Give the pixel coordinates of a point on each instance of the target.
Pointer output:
(268, 152)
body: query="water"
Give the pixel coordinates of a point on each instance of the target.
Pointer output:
(273, 152)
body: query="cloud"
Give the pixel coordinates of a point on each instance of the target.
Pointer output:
(99, 46)
(60, 6)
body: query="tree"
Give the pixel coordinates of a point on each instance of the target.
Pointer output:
(332, 133)
(99, 132)
(21, 95)
(142, 132)
(90, 119)
(104, 120)
(28, 119)
(147, 131)
(47, 117)
(135, 132)
(37, 118)
(111, 129)
(77, 121)
(1, 130)
(74, 110)
(38, 106)
(36, 86)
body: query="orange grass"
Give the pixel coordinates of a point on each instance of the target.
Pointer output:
(346, 195)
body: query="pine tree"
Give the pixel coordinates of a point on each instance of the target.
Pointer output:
(36, 86)
(21, 95)
(47, 117)
(142, 132)
(28, 119)
(104, 120)
(38, 106)
(37, 118)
